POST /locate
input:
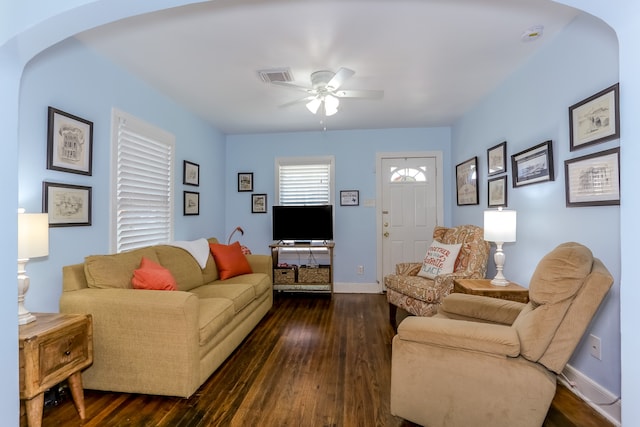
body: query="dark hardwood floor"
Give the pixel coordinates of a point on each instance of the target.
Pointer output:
(312, 361)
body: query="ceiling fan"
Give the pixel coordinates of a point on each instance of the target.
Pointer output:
(325, 93)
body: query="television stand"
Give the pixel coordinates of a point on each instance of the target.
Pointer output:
(292, 274)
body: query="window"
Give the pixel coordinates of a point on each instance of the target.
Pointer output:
(142, 183)
(403, 174)
(304, 181)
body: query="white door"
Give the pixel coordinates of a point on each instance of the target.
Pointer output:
(409, 208)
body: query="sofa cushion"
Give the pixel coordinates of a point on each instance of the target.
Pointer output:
(182, 264)
(261, 282)
(439, 259)
(115, 271)
(230, 260)
(213, 315)
(151, 275)
(240, 294)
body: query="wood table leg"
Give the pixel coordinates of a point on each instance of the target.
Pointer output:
(77, 392)
(34, 410)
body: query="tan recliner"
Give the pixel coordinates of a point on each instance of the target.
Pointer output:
(488, 362)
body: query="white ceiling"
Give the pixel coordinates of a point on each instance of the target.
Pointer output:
(434, 59)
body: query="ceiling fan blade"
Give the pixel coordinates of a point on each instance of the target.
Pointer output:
(340, 77)
(293, 86)
(369, 94)
(298, 101)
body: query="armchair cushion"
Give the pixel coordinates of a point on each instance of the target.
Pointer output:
(480, 309)
(439, 259)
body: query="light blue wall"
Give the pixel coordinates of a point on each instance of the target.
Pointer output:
(355, 165)
(531, 107)
(72, 78)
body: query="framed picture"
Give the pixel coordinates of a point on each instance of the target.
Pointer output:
(245, 181)
(593, 180)
(595, 119)
(349, 198)
(191, 203)
(258, 203)
(533, 165)
(191, 173)
(467, 182)
(67, 205)
(69, 143)
(497, 192)
(497, 159)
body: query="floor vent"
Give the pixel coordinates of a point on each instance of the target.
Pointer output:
(275, 75)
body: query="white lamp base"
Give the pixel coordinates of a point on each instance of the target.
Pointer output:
(24, 316)
(499, 258)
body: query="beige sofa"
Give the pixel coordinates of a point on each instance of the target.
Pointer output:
(163, 342)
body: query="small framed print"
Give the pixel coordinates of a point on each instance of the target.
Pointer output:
(191, 173)
(533, 165)
(497, 159)
(258, 203)
(191, 203)
(593, 180)
(595, 119)
(497, 192)
(67, 205)
(349, 198)
(69, 143)
(245, 181)
(467, 182)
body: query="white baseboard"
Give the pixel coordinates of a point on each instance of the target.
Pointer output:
(356, 288)
(594, 394)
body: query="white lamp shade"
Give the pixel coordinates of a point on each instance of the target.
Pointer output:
(313, 105)
(500, 226)
(331, 104)
(33, 235)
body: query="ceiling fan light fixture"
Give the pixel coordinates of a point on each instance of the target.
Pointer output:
(314, 105)
(331, 104)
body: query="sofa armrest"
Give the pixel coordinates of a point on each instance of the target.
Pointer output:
(472, 336)
(260, 263)
(480, 308)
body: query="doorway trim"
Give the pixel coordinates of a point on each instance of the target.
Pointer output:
(379, 176)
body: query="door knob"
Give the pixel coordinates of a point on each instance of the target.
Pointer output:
(386, 224)
(386, 234)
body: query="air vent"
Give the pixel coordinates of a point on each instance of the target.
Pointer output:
(275, 75)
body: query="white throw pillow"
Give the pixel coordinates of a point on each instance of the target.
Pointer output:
(440, 259)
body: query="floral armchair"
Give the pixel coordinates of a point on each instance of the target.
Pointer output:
(421, 296)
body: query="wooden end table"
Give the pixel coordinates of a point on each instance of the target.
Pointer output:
(483, 287)
(53, 348)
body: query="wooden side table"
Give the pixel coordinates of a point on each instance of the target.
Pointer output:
(483, 287)
(53, 348)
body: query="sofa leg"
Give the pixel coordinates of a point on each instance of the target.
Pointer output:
(393, 310)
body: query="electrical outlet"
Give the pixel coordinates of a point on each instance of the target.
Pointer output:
(594, 346)
(361, 269)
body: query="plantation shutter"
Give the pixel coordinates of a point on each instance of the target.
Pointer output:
(305, 182)
(143, 184)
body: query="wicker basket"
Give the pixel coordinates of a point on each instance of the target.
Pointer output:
(319, 274)
(284, 275)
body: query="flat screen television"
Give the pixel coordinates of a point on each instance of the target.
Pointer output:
(302, 223)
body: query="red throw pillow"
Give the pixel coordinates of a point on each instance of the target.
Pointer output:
(230, 260)
(153, 276)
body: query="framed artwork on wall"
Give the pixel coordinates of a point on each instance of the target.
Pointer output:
(593, 180)
(467, 182)
(69, 143)
(533, 165)
(258, 203)
(595, 119)
(191, 173)
(497, 159)
(497, 192)
(349, 197)
(67, 205)
(245, 181)
(191, 203)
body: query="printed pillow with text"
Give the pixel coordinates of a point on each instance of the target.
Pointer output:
(440, 259)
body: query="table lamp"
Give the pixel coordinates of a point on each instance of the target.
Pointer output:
(33, 242)
(499, 227)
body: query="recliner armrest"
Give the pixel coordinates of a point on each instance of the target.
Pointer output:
(480, 308)
(472, 336)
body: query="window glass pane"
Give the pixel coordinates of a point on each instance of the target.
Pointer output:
(403, 174)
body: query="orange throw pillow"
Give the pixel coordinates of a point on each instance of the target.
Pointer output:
(230, 260)
(153, 276)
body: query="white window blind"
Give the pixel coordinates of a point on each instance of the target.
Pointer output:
(143, 177)
(305, 181)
